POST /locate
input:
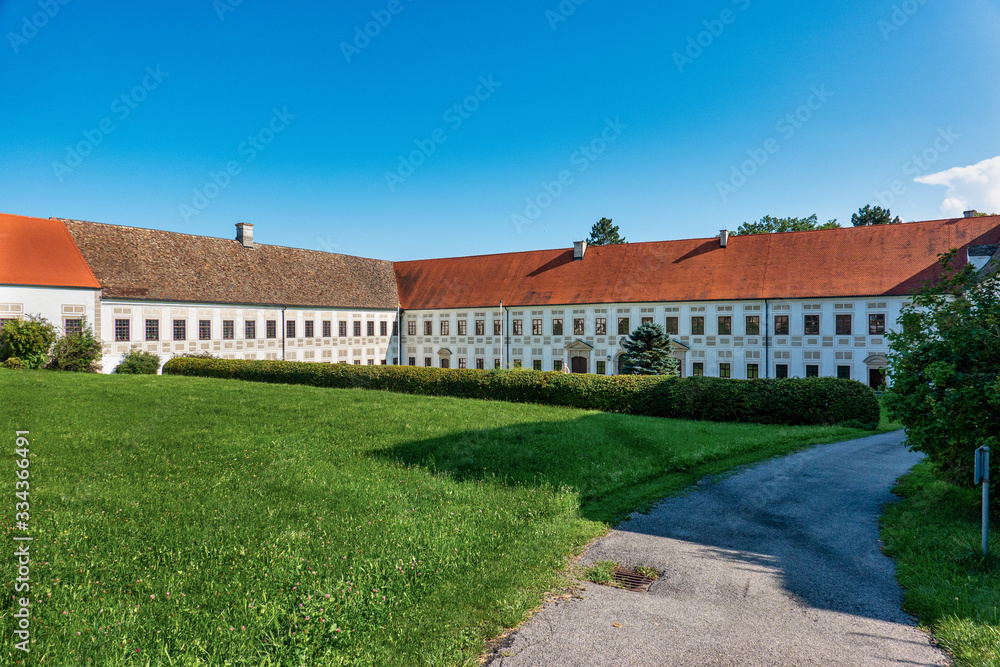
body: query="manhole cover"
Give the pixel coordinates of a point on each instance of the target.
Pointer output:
(631, 580)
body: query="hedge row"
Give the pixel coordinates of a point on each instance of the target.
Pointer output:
(765, 401)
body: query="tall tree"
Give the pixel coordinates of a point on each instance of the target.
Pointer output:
(771, 225)
(874, 215)
(604, 233)
(647, 352)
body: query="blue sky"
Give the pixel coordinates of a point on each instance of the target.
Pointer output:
(675, 121)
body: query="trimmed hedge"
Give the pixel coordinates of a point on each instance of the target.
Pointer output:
(764, 401)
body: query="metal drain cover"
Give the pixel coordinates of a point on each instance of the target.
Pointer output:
(631, 580)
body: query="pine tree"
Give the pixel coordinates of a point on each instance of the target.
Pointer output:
(604, 233)
(648, 352)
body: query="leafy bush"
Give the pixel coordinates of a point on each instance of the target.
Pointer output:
(945, 370)
(13, 363)
(786, 401)
(79, 352)
(137, 362)
(29, 340)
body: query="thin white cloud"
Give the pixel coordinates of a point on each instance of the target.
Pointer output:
(976, 186)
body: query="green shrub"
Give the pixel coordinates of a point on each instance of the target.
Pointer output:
(13, 363)
(137, 362)
(29, 340)
(79, 352)
(786, 401)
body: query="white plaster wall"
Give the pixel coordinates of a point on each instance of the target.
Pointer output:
(56, 304)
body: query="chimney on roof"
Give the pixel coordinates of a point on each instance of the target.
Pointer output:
(723, 237)
(244, 234)
(579, 249)
(969, 214)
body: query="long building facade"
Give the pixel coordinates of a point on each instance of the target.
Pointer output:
(798, 304)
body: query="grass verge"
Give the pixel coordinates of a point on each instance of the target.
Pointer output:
(933, 533)
(187, 521)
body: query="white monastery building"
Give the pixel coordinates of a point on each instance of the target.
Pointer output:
(815, 303)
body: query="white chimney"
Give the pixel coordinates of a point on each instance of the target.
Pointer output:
(723, 237)
(244, 234)
(579, 249)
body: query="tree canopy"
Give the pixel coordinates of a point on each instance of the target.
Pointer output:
(647, 352)
(771, 225)
(604, 233)
(874, 215)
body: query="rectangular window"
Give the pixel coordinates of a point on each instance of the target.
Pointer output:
(480, 363)
(601, 367)
(752, 371)
(697, 325)
(75, 326)
(357, 362)
(781, 325)
(496, 363)
(623, 327)
(250, 330)
(370, 328)
(518, 327)
(601, 326)
(781, 371)
(411, 328)
(725, 325)
(480, 327)
(180, 329)
(579, 327)
(698, 369)
(357, 329)
(290, 329)
(724, 370)
(672, 326)
(461, 362)
(497, 327)
(371, 362)
(395, 328)
(445, 327)
(557, 327)
(122, 329)
(463, 327)
(536, 327)
(812, 371)
(536, 364)
(557, 365)
(271, 329)
(412, 361)
(428, 327)
(876, 325)
(811, 325)
(310, 330)
(342, 328)
(427, 362)
(204, 329)
(327, 328)
(383, 327)
(228, 330)
(152, 330)
(647, 320)
(843, 325)
(753, 325)
(844, 372)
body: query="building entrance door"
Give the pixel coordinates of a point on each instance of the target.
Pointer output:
(578, 364)
(876, 378)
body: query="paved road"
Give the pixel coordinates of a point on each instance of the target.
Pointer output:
(776, 566)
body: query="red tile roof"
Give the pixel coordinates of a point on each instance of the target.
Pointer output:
(35, 251)
(854, 261)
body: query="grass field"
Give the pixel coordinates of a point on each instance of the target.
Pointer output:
(185, 521)
(933, 533)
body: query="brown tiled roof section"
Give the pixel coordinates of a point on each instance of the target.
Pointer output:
(36, 251)
(854, 261)
(136, 263)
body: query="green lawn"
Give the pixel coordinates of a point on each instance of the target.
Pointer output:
(933, 533)
(184, 521)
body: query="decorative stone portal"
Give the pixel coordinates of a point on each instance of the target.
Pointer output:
(876, 365)
(579, 354)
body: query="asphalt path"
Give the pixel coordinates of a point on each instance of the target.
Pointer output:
(778, 565)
